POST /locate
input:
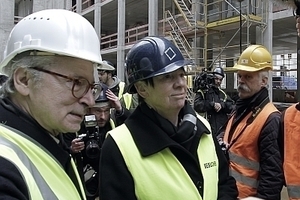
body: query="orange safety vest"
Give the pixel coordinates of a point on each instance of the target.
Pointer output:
(291, 163)
(243, 153)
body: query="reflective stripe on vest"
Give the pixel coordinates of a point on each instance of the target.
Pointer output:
(121, 89)
(161, 172)
(127, 100)
(291, 162)
(250, 164)
(112, 123)
(43, 175)
(244, 153)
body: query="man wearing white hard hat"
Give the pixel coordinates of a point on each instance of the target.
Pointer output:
(106, 76)
(251, 134)
(51, 60)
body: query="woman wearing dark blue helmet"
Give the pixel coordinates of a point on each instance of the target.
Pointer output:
(162, 151)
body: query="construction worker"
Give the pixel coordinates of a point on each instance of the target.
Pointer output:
(162, 151)
(50, 59)
(213, 101)
(251, 134)
(128, 101)
(106, 76)
(290, 144)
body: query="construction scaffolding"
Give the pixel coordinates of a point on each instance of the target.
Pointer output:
(209, 32)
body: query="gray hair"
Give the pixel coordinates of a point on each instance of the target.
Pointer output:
(25, 62)
(264, 74)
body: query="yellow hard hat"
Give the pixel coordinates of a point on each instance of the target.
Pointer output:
(254, 58)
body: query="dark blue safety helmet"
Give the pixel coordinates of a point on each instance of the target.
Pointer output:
(219, 71)
(102, 100)
(151, 56)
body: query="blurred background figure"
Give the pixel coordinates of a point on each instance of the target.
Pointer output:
(211, 101)
(86, 144)
(106, 76)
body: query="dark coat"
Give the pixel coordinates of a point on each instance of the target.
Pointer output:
(12, 184)
(205, 103)
(113, 167)
(271, 179)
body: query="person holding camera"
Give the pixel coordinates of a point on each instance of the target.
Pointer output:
(106, 114)
(212, 102)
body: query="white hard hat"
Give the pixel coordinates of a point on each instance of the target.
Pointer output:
(55, 31)
(106, 65)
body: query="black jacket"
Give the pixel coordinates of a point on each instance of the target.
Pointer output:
(96, 134)
(205, 103)
(113, 167)
(12, 184)
(271, 177)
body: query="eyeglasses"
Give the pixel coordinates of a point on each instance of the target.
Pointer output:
(79, 87)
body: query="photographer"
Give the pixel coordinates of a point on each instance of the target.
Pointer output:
(86, 145)
(210, 100)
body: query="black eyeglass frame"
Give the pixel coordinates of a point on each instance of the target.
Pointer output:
(74, 80)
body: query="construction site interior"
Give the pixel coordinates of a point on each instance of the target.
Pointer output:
(211, 33)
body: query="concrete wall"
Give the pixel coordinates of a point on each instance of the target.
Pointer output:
(6, 22)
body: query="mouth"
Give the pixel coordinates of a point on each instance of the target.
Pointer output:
(77, 115)
(178, 95)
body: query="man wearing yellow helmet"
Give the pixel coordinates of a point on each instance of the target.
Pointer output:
(251, 134)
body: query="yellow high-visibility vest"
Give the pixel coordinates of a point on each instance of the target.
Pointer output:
(44, 176)
(162, 176)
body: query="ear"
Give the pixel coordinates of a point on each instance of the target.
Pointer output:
(264, 81)
(21, 79)
(141, 89)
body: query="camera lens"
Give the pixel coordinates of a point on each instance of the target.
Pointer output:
(92, 149)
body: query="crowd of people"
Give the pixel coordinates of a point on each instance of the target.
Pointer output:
(64, 113)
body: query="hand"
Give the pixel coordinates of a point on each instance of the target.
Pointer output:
(114, 100)
(217, 107)
(77, 145)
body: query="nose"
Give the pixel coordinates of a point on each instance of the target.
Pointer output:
(240, 79)
(180, 81)
(88, 98)
(101, 115)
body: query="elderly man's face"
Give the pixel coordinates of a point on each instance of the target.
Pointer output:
(52, 104)
(249, 83)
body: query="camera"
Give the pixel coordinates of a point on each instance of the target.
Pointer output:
(203, 81)
(91, 137)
